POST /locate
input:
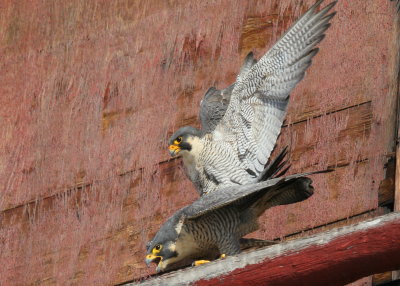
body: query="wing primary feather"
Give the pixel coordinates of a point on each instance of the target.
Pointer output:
(274, 167)
(283, 172)
(305, 17)
(272, 78)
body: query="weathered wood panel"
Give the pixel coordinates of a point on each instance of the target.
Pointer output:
(90, 92)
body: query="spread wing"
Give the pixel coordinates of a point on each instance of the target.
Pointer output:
(253, 119)
(215, 102)
(237, 194)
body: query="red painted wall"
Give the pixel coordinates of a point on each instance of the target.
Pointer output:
(90, 91)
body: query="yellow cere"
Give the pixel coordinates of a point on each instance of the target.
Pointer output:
(173, 147)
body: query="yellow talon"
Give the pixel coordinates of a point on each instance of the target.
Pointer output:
(200, 262)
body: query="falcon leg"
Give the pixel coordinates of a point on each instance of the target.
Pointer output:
(233, 248)
(229, 246)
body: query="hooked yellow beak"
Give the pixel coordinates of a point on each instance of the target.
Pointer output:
(153, 258)
(174, 150)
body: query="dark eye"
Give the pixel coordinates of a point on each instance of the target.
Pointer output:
(179, 139)
(157, 247)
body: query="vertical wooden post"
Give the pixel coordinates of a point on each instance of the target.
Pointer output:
(396, 87)
(396, 204)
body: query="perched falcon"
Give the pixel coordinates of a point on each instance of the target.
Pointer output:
(236, 140)
(214, 225)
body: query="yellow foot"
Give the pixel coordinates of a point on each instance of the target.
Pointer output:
(223, 256)
(200, 262)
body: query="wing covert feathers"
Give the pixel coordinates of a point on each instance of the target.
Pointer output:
(260, 96)
(234, 194)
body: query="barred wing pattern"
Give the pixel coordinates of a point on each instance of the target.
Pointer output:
(253, 119)
(215, 102)
(237, 194)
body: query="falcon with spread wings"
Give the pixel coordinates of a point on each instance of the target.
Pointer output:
(240, 125)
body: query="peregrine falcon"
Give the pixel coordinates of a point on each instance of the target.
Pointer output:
(235, 144)
(214, 225)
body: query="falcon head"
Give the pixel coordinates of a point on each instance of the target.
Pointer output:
(167, 248)
(162, 253)
(182, 140)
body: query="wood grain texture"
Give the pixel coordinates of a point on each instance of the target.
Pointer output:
(396, 200)
(91, 91)
(335, 257)
(397, 90)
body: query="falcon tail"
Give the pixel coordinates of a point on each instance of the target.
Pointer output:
(284, 193)
(253, 243)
